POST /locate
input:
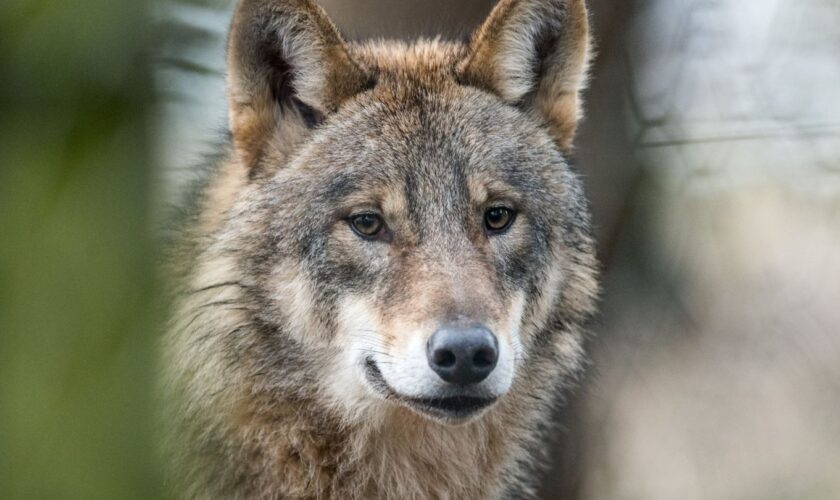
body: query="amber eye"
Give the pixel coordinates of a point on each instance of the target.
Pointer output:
(367, 225)
(498, 219)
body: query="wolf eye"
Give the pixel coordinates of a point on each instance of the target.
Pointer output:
(498, 219)
(368, 225)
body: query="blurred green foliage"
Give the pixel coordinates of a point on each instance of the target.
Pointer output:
(77, 280)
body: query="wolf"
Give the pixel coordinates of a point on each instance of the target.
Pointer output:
(382, 288)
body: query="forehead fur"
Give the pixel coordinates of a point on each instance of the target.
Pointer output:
(418, 112)
(425, 62)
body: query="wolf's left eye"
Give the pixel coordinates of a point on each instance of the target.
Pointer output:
(368, 225)
(498, 219)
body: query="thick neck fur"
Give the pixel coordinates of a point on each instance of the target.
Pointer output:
(307, 454)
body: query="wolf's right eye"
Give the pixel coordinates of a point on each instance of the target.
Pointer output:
(369, 226)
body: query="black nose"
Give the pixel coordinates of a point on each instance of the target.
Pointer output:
(463, 355)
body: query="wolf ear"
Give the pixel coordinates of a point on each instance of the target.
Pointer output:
(286, 63)
(534, 53)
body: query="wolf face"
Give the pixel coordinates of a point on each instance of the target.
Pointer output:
(428, 234)
(397, 228)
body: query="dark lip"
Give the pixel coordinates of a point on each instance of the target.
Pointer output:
(451, 408)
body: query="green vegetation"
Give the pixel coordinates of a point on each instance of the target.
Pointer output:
(77, 280)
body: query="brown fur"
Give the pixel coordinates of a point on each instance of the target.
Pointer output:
(258, 409)
(561, 30)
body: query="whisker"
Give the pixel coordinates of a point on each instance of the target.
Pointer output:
(202, 338)
(227, 302)
(206, 311)
(217, 285)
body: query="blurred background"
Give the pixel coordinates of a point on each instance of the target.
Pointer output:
(711, 153)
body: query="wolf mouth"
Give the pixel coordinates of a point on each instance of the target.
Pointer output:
(456, 408)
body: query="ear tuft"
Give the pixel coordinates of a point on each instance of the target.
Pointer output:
(287, 65)
(534, 53)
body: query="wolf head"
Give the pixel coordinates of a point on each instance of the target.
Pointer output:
(409, 227)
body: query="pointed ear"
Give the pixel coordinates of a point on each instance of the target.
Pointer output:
(287, 65)
(534, 53)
